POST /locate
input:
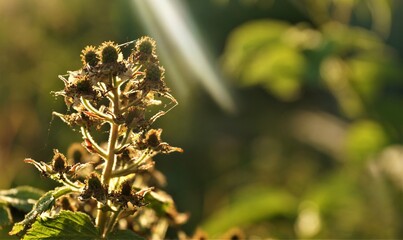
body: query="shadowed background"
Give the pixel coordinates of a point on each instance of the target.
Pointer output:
(289, 111)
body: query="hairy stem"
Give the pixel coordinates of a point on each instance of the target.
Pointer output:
(103, 217)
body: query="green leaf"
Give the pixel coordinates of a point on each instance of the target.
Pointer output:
(249, 205)
(23, 198)
(45, 203)
(123, 234)
(5, 216)
(65, 225)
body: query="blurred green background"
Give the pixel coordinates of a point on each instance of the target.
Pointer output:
(290, 111)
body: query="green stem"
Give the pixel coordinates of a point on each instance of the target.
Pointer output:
(124, 141)
(96, 147)
(113, 220)
(103, 217)
(91, 108)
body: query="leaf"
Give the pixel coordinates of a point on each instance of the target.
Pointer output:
(65, 225)
(249, 205)
(45, 203)
(22, 198)
(123, 234)
(5, 216)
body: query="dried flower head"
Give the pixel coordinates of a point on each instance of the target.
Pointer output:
(89, 56)
(59, 162)
(109, 52)
(146, 46)
(154, 72)
(153, 138)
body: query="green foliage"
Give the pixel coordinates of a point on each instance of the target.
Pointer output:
(251, 205)
(22, 197)
(44, 203)
(365, 138)
(65, 225)
(5, 215)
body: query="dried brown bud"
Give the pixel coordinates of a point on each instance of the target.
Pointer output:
(59, 162)
(95, 188)
(153, 138)
(126, 188)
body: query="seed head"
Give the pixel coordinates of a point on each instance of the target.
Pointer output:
(84, 87)
(146, 46)
(109, 52)
(89, 56)
(154, 72)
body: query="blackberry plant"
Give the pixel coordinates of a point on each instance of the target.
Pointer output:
(110, 190)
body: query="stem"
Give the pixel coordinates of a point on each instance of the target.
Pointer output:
(124, 141)
(96, 147)
(91, 108)
(103, 217)
(106, 175)
(113, 220)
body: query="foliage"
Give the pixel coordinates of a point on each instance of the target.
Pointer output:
(301, 64)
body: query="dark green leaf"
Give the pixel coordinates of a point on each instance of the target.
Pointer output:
(22, 198)
(123, 234)
(45, 203)
(65, 225)
(5, 215)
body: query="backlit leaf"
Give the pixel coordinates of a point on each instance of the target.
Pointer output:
(65, 225)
